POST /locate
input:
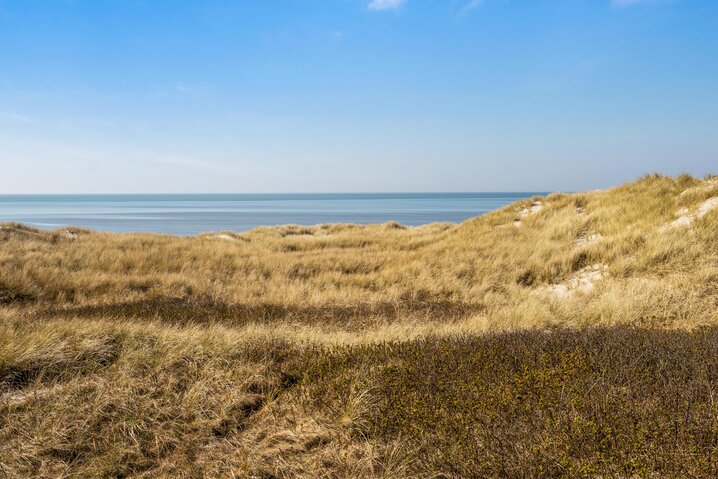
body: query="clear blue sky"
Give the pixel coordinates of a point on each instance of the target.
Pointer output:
(354, 95)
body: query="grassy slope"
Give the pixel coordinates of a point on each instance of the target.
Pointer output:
(353, 351)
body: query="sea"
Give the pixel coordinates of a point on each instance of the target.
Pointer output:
(190, 214)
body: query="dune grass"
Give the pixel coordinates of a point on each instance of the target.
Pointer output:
(575, 340)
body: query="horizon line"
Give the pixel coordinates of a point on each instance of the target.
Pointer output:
(296, 193)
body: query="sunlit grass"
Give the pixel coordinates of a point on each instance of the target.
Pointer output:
(370, 351)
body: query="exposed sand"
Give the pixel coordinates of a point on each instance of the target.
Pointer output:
(225, 237)
(20, 396)
(534, 208)
(587, 240)
(686, 218)
(582, 281)
(706, 185)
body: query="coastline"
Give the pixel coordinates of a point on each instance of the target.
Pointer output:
(334, 350)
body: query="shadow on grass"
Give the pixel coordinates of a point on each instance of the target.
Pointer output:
(206, 311)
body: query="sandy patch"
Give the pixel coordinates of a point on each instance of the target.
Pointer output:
(707, 206)
(19, 397)
(587, 240)
(582, 281)
(225, 237)
(14, 398)
(534, 208)
(686, 218)
(702, 188)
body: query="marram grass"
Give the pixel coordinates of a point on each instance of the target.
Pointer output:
(569, 336)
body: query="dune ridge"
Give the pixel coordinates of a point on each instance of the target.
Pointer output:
(581, 343)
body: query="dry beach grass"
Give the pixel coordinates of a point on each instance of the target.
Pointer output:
(574, 339)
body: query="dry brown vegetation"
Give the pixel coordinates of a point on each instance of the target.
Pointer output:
(578, 339)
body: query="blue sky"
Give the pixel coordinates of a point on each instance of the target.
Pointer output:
(354, 95)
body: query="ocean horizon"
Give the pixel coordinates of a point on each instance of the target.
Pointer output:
(191, 214)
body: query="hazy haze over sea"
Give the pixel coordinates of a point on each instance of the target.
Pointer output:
(189, 214)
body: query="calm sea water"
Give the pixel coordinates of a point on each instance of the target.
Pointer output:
(192, 214)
